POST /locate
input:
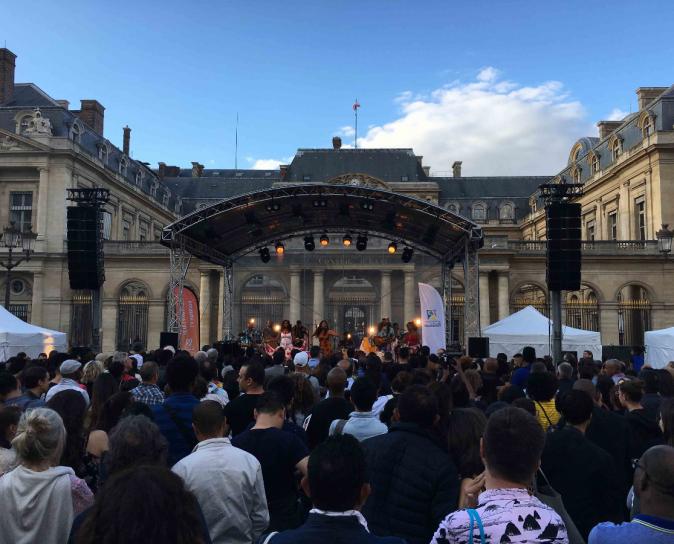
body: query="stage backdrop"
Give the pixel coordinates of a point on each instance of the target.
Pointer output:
(189, 332)
(432, 318)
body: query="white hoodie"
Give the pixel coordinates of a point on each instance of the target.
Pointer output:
(37, 507)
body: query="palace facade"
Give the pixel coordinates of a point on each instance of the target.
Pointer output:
(47, 147)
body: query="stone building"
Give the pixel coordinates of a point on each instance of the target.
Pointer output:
(47, 147)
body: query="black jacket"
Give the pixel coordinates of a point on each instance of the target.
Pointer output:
(414, 483)
(644, 432)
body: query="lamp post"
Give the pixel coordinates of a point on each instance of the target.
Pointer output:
(13, 238)
(664, 236)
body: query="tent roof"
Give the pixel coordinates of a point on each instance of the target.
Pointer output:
(661, 332)
(10, 324)
(530, 322)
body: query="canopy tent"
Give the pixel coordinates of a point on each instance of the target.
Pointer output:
(529, 327)
(659, 347)
(17, 336)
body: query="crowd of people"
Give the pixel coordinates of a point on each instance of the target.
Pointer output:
(345, 447)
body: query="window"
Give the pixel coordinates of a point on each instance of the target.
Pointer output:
(103, 153)
(647, 128)
(594, 163)
(613, 225)
(76, 132)
(576, 175)
(506, 212)
(25, 123)
(404, 178)
(139, 177)
(21, 209)
(165, 198)
(453, 208)
(107, 225)
(640, 213)
(306, 178)
(143, 232)
(123, 165)
(126, 230)
(590, 230)
(616, 149)
(479, 212)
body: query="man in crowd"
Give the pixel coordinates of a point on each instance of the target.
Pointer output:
(314, 356)
(326, 411)
(644, 430)
(521, 375)
(336, 483)
(280, 453)
(10, 388)
(71, 372)
(565, 378)
(654, 487)
(277, 369)
(240, 411)
(362, 423)
(414, 481)
(148, 392)
(226, 481)
(36, 383)
(301, 362)
(511, 451)
(613, 368)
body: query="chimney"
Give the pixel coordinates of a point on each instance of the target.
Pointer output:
(427, 170)
(91, 112)
(64, 104)
(336, 142)
(7, 64)
(646, 95)
(126, 142)
(197, 170)
(284, 170)
(456, 169)
(162, 170)
(606, 127)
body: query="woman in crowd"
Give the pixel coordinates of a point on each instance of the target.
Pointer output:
(71, 406)
(92, 370)
(9, 420)
(541, 388)
(103, 388)
(465, 428)
(304, 399)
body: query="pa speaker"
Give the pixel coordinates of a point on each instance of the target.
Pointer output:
(478, 346)
(622, 353)
(168, 339)
(85, 247)
(564, 246)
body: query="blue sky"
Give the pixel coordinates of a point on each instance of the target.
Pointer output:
(533, 76)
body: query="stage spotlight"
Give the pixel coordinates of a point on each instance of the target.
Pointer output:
(309, 243)
(273, 207)
(280, 248)
(417, 322)
(325, 240)
(371, 331)
(392, 248)
(320, 203)
(264, 254)
(407, 254)
(277, 328)
(251, 321)
(347, 240)
(368, 206)
(361, 243)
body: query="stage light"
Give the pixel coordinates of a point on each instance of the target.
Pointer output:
(309, 243)
(280, 248)
(347, 240)
(368, 206)
(392, 248)
(325, 240)
(251, 321)
(264, 254)
(273, 206)
(348, 336)
(407, 254)
(277, 328)
(372, 330)
(320, 203)
(361, 243)
(417, 322)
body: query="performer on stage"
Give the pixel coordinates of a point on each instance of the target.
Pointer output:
(412, 338)
(251, 337)
(286, 337)
(385, 335)
(269, 337)
(324, 334)
(368, 344)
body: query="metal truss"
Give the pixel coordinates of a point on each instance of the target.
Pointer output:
(471, 274)
(228, 302)
(179, 262)
(447, 300)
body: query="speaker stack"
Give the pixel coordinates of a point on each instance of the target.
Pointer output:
(564, 253)
(85, 247)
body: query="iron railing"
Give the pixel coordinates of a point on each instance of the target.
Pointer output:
(594, 247)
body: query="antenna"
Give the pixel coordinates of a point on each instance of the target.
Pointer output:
(236, 143)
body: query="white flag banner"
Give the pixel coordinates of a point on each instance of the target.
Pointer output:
(432, 318)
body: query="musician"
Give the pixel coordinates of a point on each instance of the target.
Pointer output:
(286, 335)
(385, 335)
(324, 334)
(299, 332)
(412, 338)
(269, 335)
(251, 337)
(369, 342)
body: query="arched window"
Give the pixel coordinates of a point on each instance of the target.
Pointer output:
(634, 315)
(453, 207)
(506, 212)
(616, 148)
(132, 314)
(262, 298)
(575, 174)
(479, 212)
(103, 152)
(647, 127)
(76, 132)
(123, 165)
(25, 123)
(530, 295)
(581, 309)
(594, 163)
(139, 177)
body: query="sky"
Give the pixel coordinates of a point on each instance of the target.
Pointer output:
(504, 86)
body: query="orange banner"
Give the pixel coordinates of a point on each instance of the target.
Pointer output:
(189, 331)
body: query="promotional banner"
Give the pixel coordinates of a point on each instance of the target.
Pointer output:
(189, 332)
(432, 318)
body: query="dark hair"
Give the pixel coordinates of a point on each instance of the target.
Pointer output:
(526, 404)
(605, 386)
(103, 388)
(116, 369)
(15, 365)
(283, 387)
(541, 386)
(576, 406)
(133, 507)
(9, 415)
(632, 389)
(363, 394)
(32, 376)
(402, 380)
(71, 406)
(465, 427)
(513, 443)
(255, 371)
(181, 372)
(111, 411)
(529, 354)
(667, 417)
(208, 417)
(269, 403)
(418, 405)
(651, 380)
(135, 441)
(510, 392)
(336, 473)
(279, 356)
(404, 353)
(315, 351)
(8, 383)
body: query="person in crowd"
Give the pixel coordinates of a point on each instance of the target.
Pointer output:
(35, 380)
(144, 504)
(666, 421)
(104, 387)
(9, 421)
(10, 388)
(314, 356)
(565, 378)
(613, 368)
(240, 411)
(414, 481)
(326, 411)
(644, 430)
(491, 381)
(148, 392)
(654, 488)
(521, 374)
(637, 358)
(39, 498)
(580, 471)
(304, 399)
(511, 451)
(226, 481)
(651, 398)
(208, 371)
(92, 370)
(174, 417)
(277, 368)
(71, 407)
(336, 483)
(607, 392)
(71, 372)
(465, 428)
(362, 423)
(541, 388)
(528, 405)
(284, 388)
(280, 453)
(301, 363)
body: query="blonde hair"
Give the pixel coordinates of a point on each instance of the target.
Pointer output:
(92, 370)
(40, 436)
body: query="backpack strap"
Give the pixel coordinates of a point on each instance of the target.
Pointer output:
(551, 426)
(339, 428)
(268, 538)
(475, 518)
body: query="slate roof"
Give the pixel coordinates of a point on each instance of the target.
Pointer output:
(29, 95)
(489, 187)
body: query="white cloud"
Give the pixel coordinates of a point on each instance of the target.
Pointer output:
(347, 131)
(616, 115)
(496, 127)
(267, 164)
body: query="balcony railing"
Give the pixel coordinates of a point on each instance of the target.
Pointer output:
(124, 247)
(596, 247)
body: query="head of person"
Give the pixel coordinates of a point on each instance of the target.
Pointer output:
(490, 366)
(588, 355)
(208, 420)
(518, 360)
(612, 367)
(418, 405)
(36, 378)
(270, 410)
(71, 369)
(136, 440)
(529, 355)
(565, 371)
(363, 394)
(525, 404)
(651, 379)
(279, 356)
(91, 371)
(112, 410)
(285, 326)
(336, 382)
(654, 481)
(512, 446)
(149, 372)
(630, 392)
(40, 437)
(200, 357)
(336, 478)
(666, 420)
(212, 355)
(181, 372)
(301, 362)
(9, 385)
(9, 422)
(587, 387)
(315, 352)
(465, 428)
(541, 386)
(403, 354)
(576, 407)
(251, 377)
(283, 387)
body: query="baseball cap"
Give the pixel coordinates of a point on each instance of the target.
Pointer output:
(301, 359)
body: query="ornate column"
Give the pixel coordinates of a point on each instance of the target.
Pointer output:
(36, 305)
(385, 294)
(205, 308)
(408, 297)
(42, 203)
(484, 299)
(503, 295)
(294, 313)
(319, 297)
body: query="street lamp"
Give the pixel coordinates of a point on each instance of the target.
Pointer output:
(13, 238)
(664, 236)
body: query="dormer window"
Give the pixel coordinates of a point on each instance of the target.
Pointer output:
(616, 148)
(506, 212)
(103, 153)
(575, 174)
(123, 165)
(76, 132)
(139, 177)
(479, 212)
(594, 163)
(153, 189)
(165, 198)
(648, 128)
(25, 123)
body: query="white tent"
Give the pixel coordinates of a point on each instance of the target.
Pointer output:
(529, 327)
(17, 335)
(659, 347)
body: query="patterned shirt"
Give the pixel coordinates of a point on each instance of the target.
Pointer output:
(148, 393)
(508, 515)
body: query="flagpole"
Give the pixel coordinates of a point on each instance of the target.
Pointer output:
(236, 143)
(355, 143)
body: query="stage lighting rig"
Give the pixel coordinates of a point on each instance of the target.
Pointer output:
(361, 243)
(264, 254)
(324, 240)
(407, 254)
(347, 240)
(392, 248)
(273, 206)
(309, 243)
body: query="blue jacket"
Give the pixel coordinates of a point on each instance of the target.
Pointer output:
(329, 529)
(182, 405)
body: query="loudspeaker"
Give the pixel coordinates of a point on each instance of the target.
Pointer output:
(168, 339)
(563, 257)
(85, 247)
(478, 346)
(622, 353)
